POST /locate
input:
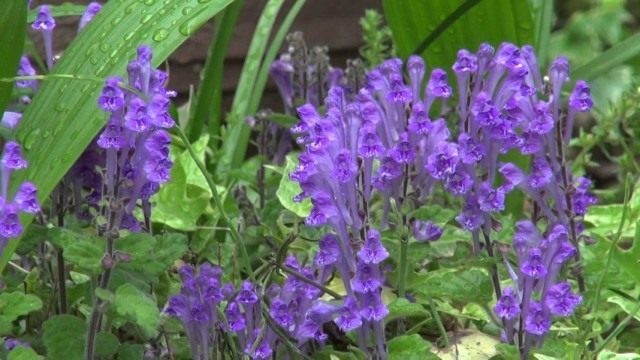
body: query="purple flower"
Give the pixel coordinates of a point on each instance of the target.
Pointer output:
(533, 266)
(247, 295)
(328, 252)
(580, 98)
(541, 173)
(11, 119)
(26, 69)
(26, 198)
(112, 136)
(12, 156)
(367, 278)
(484, 111)
(399, 93)
(443, 161)
(158, 142)
(369, 144)
(136, 119)
(344, 167)
(459, 183)
(402, 152)
(471, 151)
(419, 122)
(234, 317)
(560, 300)
(158, 111)
(112, 97)
(542, 122)
(438, 85)
(371, 306)
(490, 199)
(389, 170)
(348, 316)
(158, 168)
(426, 231)
(44, 21)
(372, 252)
(92, 10)
(282, 313)
(508, 306)
(10, 226)
(465, 63)
(512, 174)
(537, 321)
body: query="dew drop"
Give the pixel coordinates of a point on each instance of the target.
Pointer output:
(104, 47)
(187, 10)
(186, 28)
(116, 21)
(31, 138)
(93, 60)
(145, 19)
(46, 134)
(203, 1)
(160, 35)
(128, 36)
(129, 9)
(149, 2)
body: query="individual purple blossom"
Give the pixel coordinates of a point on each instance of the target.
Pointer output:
(438, 85)
(580, 98)
(490, 199)
(560, 300)
(508, 306)
(349, 317)
(11, 119)
(44, 21)
(92, 10)
(533, 266)
(443, 161)
(26, 198)
(537, 321)
(372, 308)
(26, 69)
(426, 231)
(12, 157)
(372, 252)
(10, 226)
(112, 97)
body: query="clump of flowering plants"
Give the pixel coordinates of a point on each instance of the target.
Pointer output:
(401, 206)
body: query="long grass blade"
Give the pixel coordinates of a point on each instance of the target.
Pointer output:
(12, 34)
(617, 55)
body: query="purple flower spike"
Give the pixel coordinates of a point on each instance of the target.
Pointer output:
(247, 294)
(533, 266)
(27, 198)
(12, 156)
(490, 199)
(373, 309)
(560, 300)
(112, 97)
(443, 161)
(26, 69)
(136, 119)
(580, 98)
(541, 173)
(508, 306)
(419, 122)
(403, 152)
(367, 278)
(438, 85)
(158, 168)
(112, 136)
(369, 144)
(426, 231)
(537, 321)
(235, 318)
(373, 252)
(158, 142)
(44, 21)
(329, 251)
(345, 167)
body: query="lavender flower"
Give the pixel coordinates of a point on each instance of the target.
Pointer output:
(92, 10)
(45, 23)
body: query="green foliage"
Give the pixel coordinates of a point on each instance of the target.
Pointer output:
(410, 347)
(63, 337)
(470, 285)
(138, 307)
(65, 9)
(288, 189)
(102, 49)
(12, 35)
(411, 21)
(376, 37)
(14, 305)
(82, 250)
(24, 353)
(403, 308)
(152, 255)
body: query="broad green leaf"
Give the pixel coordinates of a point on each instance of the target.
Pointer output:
(12, 34)
(63, 117)
(411, 21)
(182, 200)
(24, 353)
(237, 133)
(628, 306)
(138, 307)
(470, 344)
(543, 19)
(605, 220)
(82, 250)
(471, 285)
(107, 345)
(288, 189)
(66, 9)
(152, 255)
(610, 355)
(131, 352)
(410, 347)
(328, 353)
(14, 305)
(63, 337)
(402, 308)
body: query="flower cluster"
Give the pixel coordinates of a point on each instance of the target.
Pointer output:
(134, 144)
(538, 294)
(25, 199)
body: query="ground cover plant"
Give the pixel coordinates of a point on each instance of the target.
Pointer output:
(466, 188)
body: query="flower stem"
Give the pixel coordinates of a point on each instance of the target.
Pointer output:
(441, 329)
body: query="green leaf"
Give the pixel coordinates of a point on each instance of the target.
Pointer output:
(543, 17)
(403, 308)
(82, 250)
(411, 22)
(107, 345)
(63, 337)
(24, 353)
(152, 255)
(130, 352)
(288, 189)
(470, 344)
(410, 347)
(66, 9)
(610, 355)
(14, 305)
(237, 134)
(138, 307)
(102, 49)
(470, 285)
(628, 306)
(614, 56)
(12, 34)
(182, 200)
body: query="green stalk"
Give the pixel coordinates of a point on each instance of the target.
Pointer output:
(207, 106)
(618, 328)
(235, 235)
(441, 329)
(404, 267)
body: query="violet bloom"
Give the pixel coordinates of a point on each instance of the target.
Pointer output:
(92, 10)
(10, 119)
(45, 23)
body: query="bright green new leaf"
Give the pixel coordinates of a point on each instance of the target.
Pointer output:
(65, 109)
(138, 307)
(610, 355)
(402, 308)
(12, 33)
(63, 337)
(14, 305)
(24, 353)
(470, 285)
(152, 255)
(83, 250)
(410, 347)
(288, 189)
